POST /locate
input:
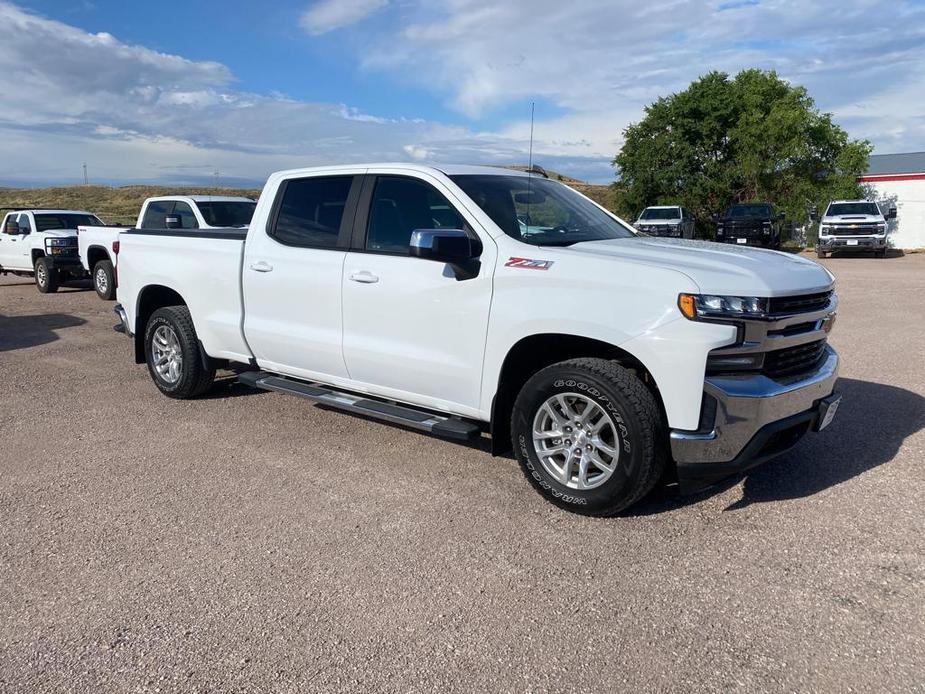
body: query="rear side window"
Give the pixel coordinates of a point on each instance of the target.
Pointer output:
(311, 211)
(187, 218)
(401, 205)
(156, 213)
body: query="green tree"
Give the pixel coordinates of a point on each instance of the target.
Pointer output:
(754, 138)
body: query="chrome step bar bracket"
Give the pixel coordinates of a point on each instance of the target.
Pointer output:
(432, 423)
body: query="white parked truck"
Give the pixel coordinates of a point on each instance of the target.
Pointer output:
(853, 225)
(95, 243)
(607, 360)
(667, 220)
(43, 244)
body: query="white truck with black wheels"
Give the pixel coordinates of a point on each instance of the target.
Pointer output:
(98, 245)
(607, 360)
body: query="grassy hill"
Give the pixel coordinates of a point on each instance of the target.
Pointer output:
(121, 205)
(113, 205)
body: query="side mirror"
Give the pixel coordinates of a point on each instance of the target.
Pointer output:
(172, 222)
(813, 213)
(782, 216)
(714, 217)
(891, 214)
(11, 228)
(453, 246)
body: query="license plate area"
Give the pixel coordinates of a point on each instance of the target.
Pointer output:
(827, 409)
(852, 242)
(743, 241)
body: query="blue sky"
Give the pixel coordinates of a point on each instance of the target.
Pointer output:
(173, 91)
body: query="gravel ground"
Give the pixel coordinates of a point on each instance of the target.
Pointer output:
(254, 542)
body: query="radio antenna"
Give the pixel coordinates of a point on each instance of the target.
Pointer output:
(532, 112)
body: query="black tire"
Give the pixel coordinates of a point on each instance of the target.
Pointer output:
(194, 378)
(820, 254)
(104, 280)
(640, 434)
(47, 278)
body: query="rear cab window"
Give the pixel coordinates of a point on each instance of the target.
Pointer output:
(309, 212)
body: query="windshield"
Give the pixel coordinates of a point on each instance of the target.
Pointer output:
(44, 222)
(661, 213)
(539, 211)
(749, 212)
(227, 214)
(847, 208)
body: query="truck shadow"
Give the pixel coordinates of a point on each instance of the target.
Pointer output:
(872, 422)
(20, 332)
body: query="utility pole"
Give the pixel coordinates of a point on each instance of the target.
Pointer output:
(86, 180)
(215, 178)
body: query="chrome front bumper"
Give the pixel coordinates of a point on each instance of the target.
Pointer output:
(748, 419)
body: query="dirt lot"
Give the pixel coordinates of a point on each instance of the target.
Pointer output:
(253, 542)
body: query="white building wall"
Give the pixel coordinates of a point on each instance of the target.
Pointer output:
(907, 231)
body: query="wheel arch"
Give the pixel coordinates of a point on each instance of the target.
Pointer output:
(535, 352)
(95, 254)
(151, 298)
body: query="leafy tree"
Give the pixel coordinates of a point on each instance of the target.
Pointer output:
(754, 138)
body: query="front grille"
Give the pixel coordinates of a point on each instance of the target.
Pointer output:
(804, 303)
(793, 361)
(855, 229)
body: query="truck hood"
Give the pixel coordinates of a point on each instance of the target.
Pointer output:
(719, 268)
(854, 219)
(57, 233)
(657, 222)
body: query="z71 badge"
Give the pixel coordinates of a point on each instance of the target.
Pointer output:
(529, 263)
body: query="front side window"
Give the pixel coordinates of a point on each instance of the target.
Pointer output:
(311, 211)
(45, 222)
(156, 214)
(25, 227)
(185, 213)
(227, 213)
(652, 213)
(837, 209)
(402, 205)
(539, 211)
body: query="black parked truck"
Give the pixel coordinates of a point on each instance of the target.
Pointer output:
(750, 224)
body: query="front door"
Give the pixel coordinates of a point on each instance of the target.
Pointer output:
(292, 278)
(14, 248)
(412, 330)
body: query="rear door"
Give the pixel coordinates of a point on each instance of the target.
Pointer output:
(15, 249)
(292, 277)
(8, 242)
(412, 330)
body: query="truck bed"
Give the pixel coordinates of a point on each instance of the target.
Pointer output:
(203, 266)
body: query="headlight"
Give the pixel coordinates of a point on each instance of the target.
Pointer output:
(825, 229)
(57, 242)
(696, 306)
(881, 228)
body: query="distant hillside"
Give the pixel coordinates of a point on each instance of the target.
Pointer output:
(121, 205)
(113, 205)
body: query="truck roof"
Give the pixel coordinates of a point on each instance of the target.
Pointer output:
(447, 169)
(40, 211)
(200, 198)
(662, 207)
(841, 201)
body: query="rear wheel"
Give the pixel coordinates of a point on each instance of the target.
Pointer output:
(46, 277)
(173, 356)
(589, 436)
(103, 280)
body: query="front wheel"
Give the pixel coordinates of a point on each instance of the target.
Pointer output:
(47, 278)
(172, 354)
(589, 436)
(820, 254)
(104, 281)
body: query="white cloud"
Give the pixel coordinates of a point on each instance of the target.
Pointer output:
(328, 15)
(599, 62)
(417, 152)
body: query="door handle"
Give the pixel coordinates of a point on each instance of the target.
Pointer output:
(261, 266)
(364, 277)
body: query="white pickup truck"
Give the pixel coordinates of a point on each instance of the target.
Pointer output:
(607, 360)
(853, 225)
(43, 243)
(95, 243)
